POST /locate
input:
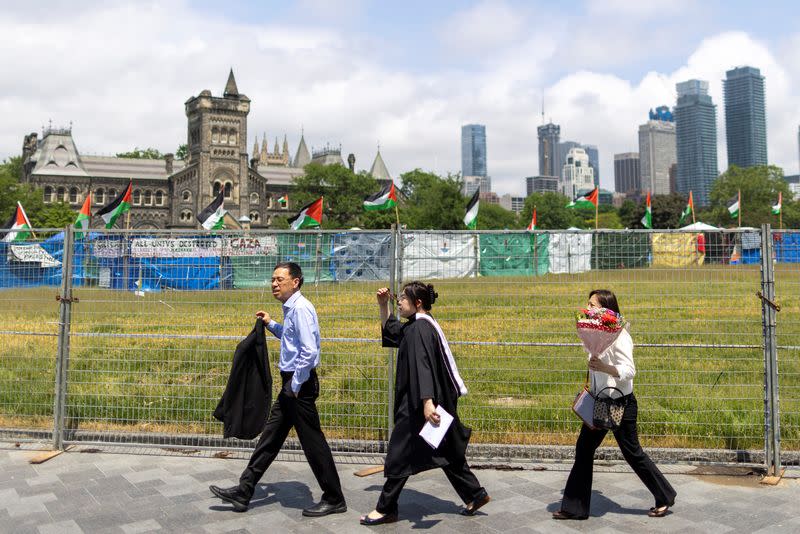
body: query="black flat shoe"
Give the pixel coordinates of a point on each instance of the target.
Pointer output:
(323, 508)
(233, 495)
(476, 504)
(661, 511)
(561, 514)
(382, 520)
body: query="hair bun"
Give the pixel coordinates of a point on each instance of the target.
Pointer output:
(432, 294)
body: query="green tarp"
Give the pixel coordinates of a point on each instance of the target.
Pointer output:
(256, 271)
(620, 251)
(513, 254)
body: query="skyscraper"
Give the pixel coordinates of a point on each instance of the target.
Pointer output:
(696, 139)
(473, 150)
(745, 117)
(576, 175)
(548, 150)
(594, 161)
(627, 177)
(657, 151)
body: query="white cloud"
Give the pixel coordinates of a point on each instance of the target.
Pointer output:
(124, 85)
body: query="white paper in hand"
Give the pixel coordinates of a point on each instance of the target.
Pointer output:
(434, 434)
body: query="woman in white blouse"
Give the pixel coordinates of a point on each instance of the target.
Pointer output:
(613, 368)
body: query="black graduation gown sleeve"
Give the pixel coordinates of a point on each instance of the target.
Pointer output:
(392, 332)
(245, 404)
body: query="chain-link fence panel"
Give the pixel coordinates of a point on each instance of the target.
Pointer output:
(786, 247)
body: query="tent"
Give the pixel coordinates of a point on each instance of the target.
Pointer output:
(700, 227)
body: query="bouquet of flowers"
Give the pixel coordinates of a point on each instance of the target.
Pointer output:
(598, 328)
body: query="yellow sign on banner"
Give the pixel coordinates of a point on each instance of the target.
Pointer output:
(677, 250)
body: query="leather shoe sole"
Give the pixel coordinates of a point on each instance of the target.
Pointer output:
(323, 509)
(475, 505)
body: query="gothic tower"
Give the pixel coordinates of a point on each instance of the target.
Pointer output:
(217, 147)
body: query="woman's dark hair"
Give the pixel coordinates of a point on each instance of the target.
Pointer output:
(606, 298)
(294, 270)
(415, 291)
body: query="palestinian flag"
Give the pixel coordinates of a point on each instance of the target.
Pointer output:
(310, 216)
(384, 199)
(532, 225)
(211, 218)
(283, 200)
(111, 212)
(688, 211)
(733, 205)
(647, 220)
(776, 209)
(82, 222)
(586, 200)
(471, 217)
(18, 226)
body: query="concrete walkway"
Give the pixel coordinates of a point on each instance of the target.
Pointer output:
(131, 493)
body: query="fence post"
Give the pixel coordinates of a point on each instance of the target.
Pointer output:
(62, 352)
(392, 352)
(772, 427)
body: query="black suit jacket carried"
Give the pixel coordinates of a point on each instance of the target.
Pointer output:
(245, 404)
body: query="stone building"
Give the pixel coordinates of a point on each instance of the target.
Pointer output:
(169, 193)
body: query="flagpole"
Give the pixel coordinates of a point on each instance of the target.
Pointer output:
(596, 209)
(25, 215)
(740, 208)
(535, 260)
(397, 214)
(690, 198)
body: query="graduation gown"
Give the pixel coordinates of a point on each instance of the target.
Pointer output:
(421, 374)
(245, 404)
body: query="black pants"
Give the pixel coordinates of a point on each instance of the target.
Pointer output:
(301, 413)
(578, 493)
(460, 476)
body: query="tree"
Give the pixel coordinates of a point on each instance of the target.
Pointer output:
(56, 215)
(666, 210)
(495, 217)
(344, 193)
(137, 153)
(182, 152)
(759, 186)
(551, 212)
(432, 202)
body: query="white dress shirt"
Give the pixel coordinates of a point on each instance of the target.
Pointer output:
(620, 355)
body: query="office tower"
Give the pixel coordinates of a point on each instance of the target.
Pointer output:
(548, 150)
(541, 184)
(473, 150)
(696, 139)
(627, 177)
(576, 175)
(745, 117)
(657, 151)
(563, 149)
(594, 161)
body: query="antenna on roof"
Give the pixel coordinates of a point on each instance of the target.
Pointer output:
(542, 106)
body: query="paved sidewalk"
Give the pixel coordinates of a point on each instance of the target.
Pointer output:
(126, 493)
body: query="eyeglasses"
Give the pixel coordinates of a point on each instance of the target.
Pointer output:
(398, 298)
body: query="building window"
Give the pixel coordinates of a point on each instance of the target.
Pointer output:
(253, 198)
(112, 194)
(228, 188)
(73, 195)
(48, 194)
(232, 137)
(254, 216)
(214, 135)
(186, 196)
(217, 187)
(148, 198)
(61, 194)
(99, 196)
(137, 197)
(186, 215)
(159, 198)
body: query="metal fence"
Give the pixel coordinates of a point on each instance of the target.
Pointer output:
(137, 348)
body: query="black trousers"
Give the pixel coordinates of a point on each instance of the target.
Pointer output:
(460, 476)
(301, 413)
(578, 493)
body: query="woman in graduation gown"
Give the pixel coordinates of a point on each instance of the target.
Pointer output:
(427, 378)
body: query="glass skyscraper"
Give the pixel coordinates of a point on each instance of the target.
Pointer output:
(549, 164)
(473, 150)
(745, 117)
(696, 140)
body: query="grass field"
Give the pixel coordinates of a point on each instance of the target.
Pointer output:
(129, 369)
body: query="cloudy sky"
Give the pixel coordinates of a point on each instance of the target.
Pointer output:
(405, 75)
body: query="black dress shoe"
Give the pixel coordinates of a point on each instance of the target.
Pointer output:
(324, 508)
(561, 514)
(479, 501)
(233, 495)
(385, 518)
